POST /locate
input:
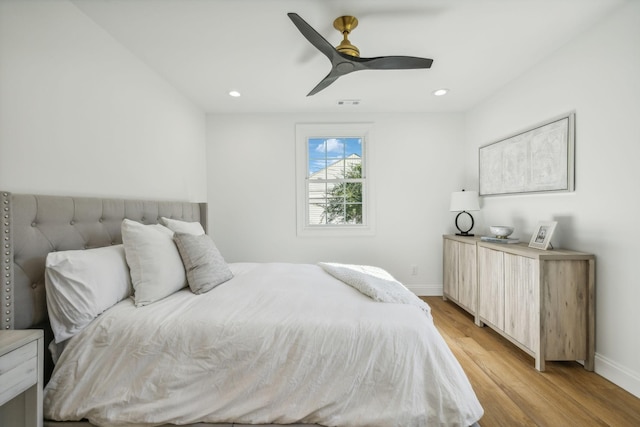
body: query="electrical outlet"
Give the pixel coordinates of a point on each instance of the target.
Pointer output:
(414, 270)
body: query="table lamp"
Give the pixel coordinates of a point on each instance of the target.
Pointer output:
(464, 201)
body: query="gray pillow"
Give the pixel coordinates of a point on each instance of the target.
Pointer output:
(205, 266)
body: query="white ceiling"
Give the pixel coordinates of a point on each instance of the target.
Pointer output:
(205, 48)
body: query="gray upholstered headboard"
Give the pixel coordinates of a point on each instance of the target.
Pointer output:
(33, 226)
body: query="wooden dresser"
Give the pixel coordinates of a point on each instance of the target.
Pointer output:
(541, 301)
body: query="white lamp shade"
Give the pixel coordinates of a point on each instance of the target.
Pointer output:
(464, 201)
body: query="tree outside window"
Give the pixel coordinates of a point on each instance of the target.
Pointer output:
(344, 201)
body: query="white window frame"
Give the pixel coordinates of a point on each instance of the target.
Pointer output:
(304, 131)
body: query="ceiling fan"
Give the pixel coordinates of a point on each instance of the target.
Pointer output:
(345, 58)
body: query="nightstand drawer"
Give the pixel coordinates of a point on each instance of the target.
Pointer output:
(18, 371)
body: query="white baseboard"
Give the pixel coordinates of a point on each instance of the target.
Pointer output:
(618, 374)
(426, 290)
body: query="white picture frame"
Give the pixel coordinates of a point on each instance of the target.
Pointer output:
(539, 159)
(541, 237)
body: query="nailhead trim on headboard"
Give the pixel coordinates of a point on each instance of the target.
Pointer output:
(6, 322)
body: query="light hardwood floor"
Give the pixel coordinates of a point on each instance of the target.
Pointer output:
(513, 393)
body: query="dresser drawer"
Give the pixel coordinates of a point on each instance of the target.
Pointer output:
(18, 371)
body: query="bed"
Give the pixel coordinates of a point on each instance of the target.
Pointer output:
(271, 344)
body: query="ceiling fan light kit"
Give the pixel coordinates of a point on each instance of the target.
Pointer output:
(346, 58)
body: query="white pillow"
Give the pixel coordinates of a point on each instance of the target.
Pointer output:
(81, 284)
(156, 267)
(178, 226)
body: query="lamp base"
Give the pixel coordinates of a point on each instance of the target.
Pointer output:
(461, 231)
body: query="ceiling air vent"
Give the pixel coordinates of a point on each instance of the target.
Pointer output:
(347, 102)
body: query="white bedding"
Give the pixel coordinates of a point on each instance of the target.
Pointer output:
(278, 343)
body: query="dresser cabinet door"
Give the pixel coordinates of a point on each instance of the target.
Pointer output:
(521, 301)
(450, 267)
(491, 286)
(467, 280)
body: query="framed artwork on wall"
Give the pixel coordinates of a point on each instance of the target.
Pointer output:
(539, 159)
(541, 237)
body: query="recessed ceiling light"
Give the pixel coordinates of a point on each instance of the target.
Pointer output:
(440, 92)
(234, 93)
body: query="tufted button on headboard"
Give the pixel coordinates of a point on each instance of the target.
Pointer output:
(33, 225)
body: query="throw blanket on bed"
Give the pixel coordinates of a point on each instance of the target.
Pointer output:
(375, 283)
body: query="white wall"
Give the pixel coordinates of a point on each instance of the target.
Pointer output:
(597, 75)
(252, 194)
(80, 115)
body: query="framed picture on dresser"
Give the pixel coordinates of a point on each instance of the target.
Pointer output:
(541, 237)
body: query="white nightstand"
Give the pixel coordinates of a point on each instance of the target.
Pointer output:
(21, 359)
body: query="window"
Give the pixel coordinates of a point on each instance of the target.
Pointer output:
(333, 182)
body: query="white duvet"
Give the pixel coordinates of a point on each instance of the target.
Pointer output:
(278, 343)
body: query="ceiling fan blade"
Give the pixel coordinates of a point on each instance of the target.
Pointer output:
(394, 63)
(330, 78)
(313, 36)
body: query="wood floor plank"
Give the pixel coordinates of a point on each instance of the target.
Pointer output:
(543, 404)
(499, 408)
(616, 407)
(513, 393)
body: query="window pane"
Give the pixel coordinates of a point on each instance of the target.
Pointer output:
(317, 158)
(354, 213)
(335, 169)
(317, 190)
(317, 169)
(317, 214)
(353, 146)
(353, 168)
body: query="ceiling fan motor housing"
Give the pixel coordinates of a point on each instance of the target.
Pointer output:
(345, 24)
